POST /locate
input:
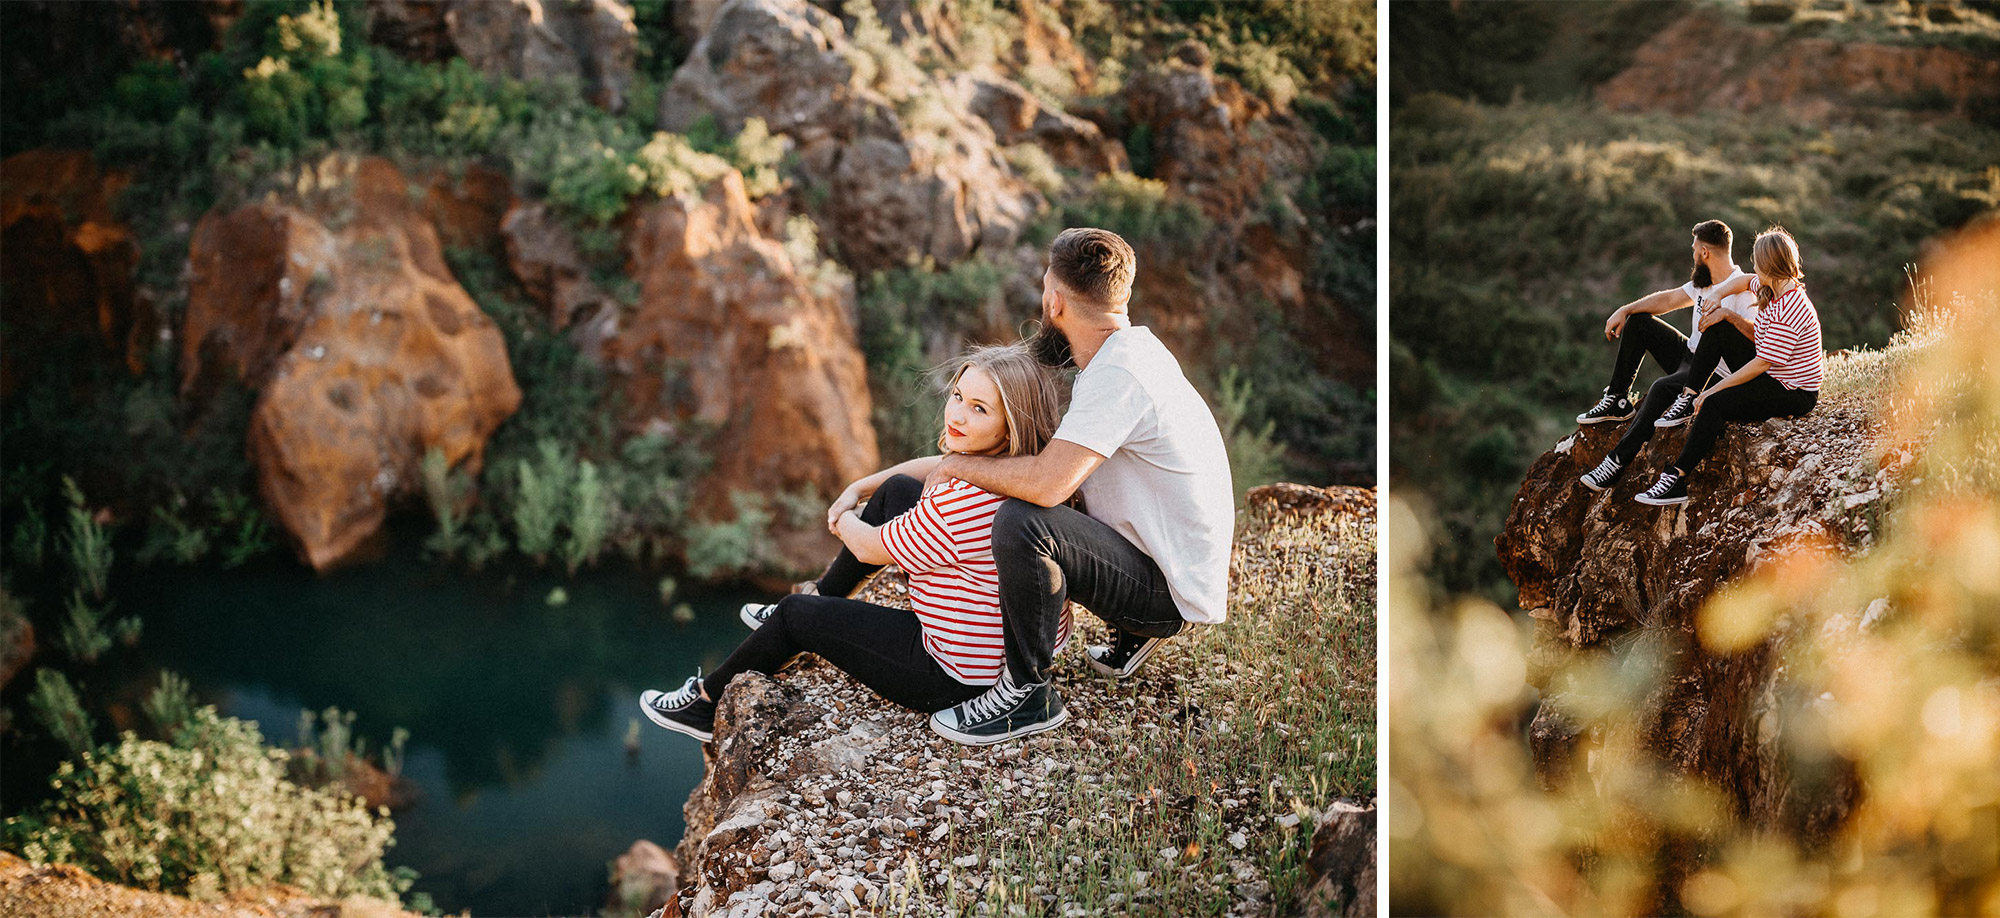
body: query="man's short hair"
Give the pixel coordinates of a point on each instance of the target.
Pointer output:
(1713, 232)
(1094, 264)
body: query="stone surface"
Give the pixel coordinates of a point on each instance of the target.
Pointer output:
(1015, 116)
(1341, 864)
(1749, 68)
(67, 892)
(644, 878)
(1285, 497)
(891, 187)
(68, 274)
(367, 352)
(731, 337)
(591, 41)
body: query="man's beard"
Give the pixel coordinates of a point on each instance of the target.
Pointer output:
(1050, 347)
(1701, 277)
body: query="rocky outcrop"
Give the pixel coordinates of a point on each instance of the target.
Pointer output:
(1746, 68)
(367, 353)
(729, 334)
(64, 891)
(543, 255)
(68, 274)
(1015, 116)
(892, 185)
(819, 797)
(591, 41)
(1604, 577)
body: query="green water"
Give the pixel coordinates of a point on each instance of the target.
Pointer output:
(517, 710)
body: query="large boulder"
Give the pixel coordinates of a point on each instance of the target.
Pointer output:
(1015, 116)
(367, 352)
(731, 335)
(893, 180)
(1209, 139)
(643, 879)
(68, 274)
(592, 41)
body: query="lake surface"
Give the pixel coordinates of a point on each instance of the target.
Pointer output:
(517, 709)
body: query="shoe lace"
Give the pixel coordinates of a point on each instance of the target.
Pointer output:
(1003, 695)
(1607, 468)
(685, 695)
(1604, 403)
(1665, 484)
(1682, 403)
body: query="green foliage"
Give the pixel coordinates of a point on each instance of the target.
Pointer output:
(724, 548)
(30, 535)
(445, 490)
(172, 536)
(243, 531)
(392, 754)
(325, 745)
(171, 707)
(85, 542)
(60, 711)
(305, 87)
(83, 634)
(539, 501)
(207, 815)
(1255, 458)
(590, 518)
(900, 311)
(1140, 210)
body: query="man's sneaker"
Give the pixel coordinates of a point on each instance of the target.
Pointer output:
(1678, 412)
(1123, 657)
(755, 614)
(1599, 478)
(682, 710)
(1672, 488)
(1609, 408)
(1007, 711)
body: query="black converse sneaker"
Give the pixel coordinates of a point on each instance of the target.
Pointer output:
(1007, 711)
(1678, 412)
(1609, 408)
(1123, 657)
(1599, 478)
(755, 614)
(1672, 488)
(682, 710)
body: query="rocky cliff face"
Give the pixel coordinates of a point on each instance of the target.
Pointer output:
(1606, 578)
(69, 266)
(365, 351)
(591, 41)
(1747, 68)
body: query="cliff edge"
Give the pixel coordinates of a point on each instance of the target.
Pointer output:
(1206, 777)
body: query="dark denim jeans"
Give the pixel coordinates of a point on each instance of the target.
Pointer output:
(1049, 554)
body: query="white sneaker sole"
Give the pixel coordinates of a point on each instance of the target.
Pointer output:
(1663, 422)
(968, 739)
(1580, 419)
(1131, 666)
(706, 736)
(1594, 486)
(1660, 501)
(753, 621)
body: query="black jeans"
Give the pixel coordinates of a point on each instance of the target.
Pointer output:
(1759, 399)
(880, 646)
(1720, 342)
(1646, 334)
(1049, 554)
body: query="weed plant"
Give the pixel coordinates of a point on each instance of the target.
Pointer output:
(57, 707)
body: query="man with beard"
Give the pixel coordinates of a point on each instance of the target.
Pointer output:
(1152, 551)
(1640, 331)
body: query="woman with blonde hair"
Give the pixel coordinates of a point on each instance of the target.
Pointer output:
(1782, 380)
(948, 647)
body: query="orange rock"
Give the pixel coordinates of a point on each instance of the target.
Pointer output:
(367, 351)
(70, 261)
(467, 210)
(754, 351)
(1704, 61)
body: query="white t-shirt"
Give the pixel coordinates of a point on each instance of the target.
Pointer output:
(1164, 484)
(1743, 304)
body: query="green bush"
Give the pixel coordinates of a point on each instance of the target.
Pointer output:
(590, 518)
(899, 311)
(540, 500)
(171, 706)
(725, 548)
(445, 491)
(60, 711)
(86, 543)
(1255, 458)
(207, 815)
(1139, 209)
(84, 636)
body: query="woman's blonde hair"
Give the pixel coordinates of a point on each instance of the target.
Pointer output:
(1775, 258)
(1030, 401)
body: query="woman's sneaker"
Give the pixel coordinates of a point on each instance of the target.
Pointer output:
(1123, 657)
(1678, 412)
(682, 710)
(1609, 408)
(1672, 488)
(1007, 711)
(755, 614)
(1599, 478)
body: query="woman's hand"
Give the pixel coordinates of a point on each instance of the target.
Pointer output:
(848, 500)
(1698, 399)
(1614, 325)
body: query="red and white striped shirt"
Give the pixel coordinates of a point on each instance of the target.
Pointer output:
(1788, 336)
(945, 544)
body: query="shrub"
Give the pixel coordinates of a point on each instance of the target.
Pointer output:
(86, 543)
(1138, 209)
(1255, 458)
(57, 707)
(539, 501)
(725, 548)
(171, 707)
(83, 634)
(207, 815)
(445, 492)
(172, 536)
(590, 518)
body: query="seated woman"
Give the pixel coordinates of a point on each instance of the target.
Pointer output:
(1783, 377)
(948, 648)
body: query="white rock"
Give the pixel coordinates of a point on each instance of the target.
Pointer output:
(784, 871)
(1238, 841)
(970, 860)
